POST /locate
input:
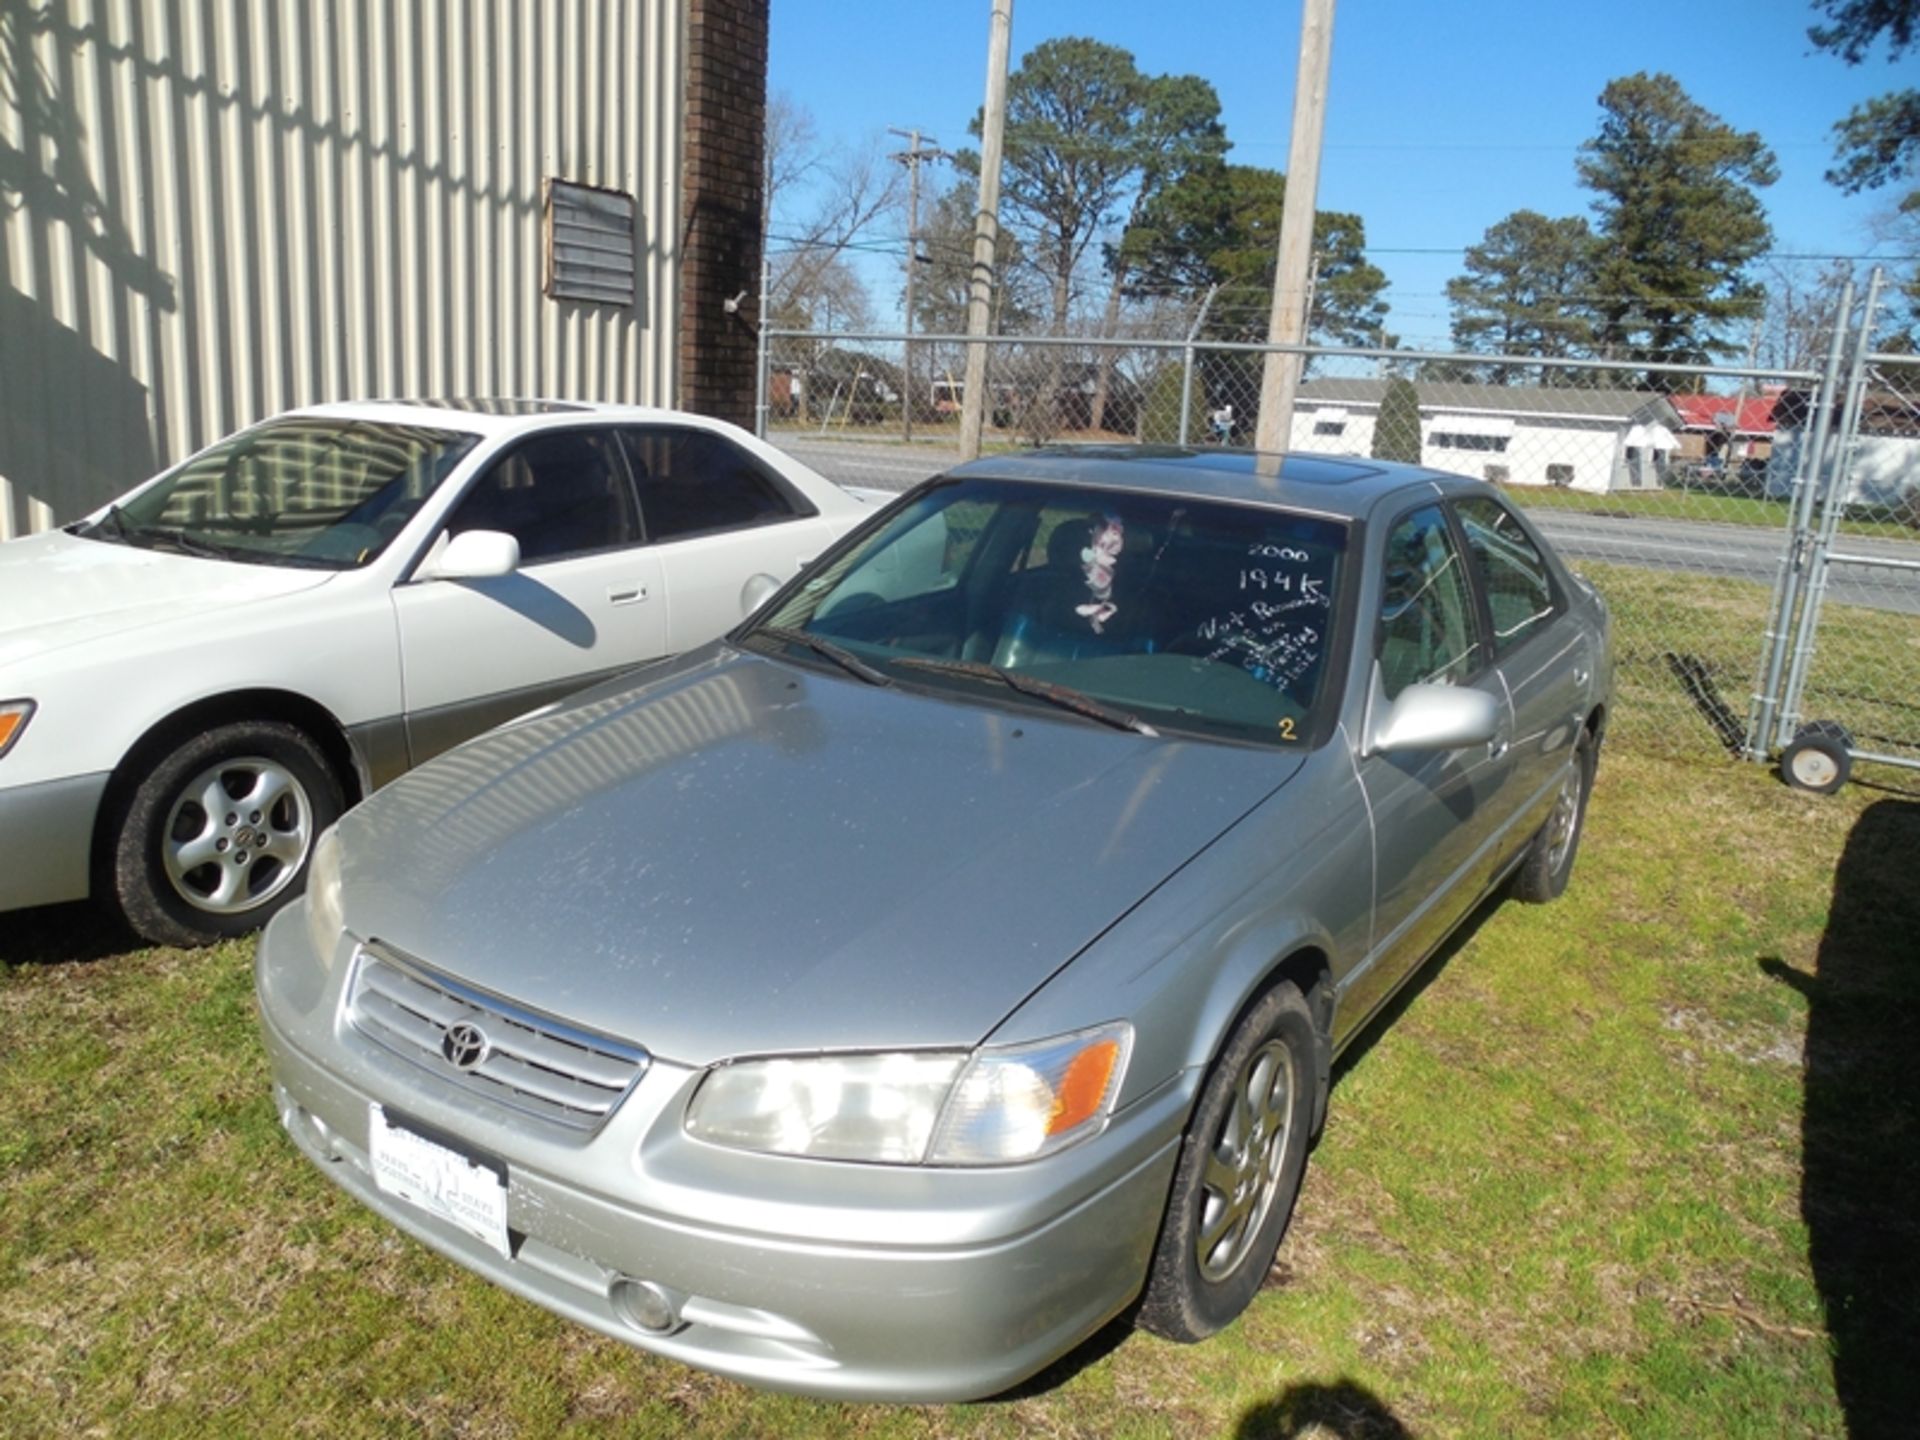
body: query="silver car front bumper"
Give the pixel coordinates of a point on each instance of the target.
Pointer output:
(844, 1281)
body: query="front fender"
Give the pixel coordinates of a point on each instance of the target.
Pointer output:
(1294, 875)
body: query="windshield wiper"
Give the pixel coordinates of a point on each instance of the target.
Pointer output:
(1065, 696)
(179, 539)
(845, 659)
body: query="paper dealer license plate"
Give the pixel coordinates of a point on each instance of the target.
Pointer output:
(468, 1194)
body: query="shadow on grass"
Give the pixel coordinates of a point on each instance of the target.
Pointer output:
(1860, 1127)
(63, 934)
(1344, 1409)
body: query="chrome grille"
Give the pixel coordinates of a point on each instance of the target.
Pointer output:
(533, 1063)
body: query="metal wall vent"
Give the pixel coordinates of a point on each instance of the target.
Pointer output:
(590, 244)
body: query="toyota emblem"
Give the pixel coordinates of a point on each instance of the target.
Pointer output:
(464, 1046)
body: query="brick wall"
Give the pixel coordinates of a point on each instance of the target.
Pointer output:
(726, 84)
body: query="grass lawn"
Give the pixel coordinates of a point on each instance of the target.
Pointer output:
(1643, 1162)
(1698, 505)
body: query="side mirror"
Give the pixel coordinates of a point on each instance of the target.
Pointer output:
(473, 555)
(756, 592)
(1429, 717)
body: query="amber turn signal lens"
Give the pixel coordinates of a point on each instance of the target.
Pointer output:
(14, 715)
(1083, 1088)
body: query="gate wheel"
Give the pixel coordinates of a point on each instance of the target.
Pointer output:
(1818, 760)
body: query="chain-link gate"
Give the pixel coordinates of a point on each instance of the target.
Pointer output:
(1689, 511)
(1841, 681)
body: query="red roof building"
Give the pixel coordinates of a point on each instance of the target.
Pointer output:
(1711, 425)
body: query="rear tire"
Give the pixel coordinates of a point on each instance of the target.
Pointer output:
(1238, 1174)
(1543, 875)
(217, 836)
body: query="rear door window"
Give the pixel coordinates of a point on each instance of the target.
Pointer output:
(693, 482)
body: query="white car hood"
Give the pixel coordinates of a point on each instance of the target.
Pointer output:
(57, 590)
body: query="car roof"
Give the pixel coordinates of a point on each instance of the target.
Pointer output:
(1324, 484)
(498, 415)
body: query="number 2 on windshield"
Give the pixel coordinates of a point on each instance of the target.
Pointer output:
(1286, 727)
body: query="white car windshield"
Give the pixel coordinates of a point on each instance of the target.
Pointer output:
(1144, 610)
(325, 493)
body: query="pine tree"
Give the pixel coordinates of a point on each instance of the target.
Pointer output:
(1525, 291)
(1678, 224)
(1220, 226)
(1396, 431)
(1877, 145)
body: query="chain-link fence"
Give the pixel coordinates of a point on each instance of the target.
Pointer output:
(1691, 505)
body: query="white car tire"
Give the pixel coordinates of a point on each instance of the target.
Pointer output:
(217, 836)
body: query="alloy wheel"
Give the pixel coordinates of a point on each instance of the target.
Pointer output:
(237, 835)
(1243, 1165)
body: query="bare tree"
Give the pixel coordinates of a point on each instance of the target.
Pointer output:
(820, 203)
(1803, 305)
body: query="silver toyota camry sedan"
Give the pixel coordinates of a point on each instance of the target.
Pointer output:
(876, 1002)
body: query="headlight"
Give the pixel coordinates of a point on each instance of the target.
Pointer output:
(832, 1107)
(14, 715)
(324, 922)
(1000, 1105)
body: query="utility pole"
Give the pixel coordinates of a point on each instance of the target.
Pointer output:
(986, 229)
(912, 157)
(1280, 375)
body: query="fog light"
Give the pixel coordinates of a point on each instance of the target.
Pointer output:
(644, 1305)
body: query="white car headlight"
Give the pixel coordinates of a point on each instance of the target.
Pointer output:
(324, 920)
(995, 1107)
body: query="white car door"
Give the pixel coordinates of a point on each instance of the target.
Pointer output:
(586, 600)
(716, 517)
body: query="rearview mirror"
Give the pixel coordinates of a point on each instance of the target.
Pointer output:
(1429, 717)
(474, 555)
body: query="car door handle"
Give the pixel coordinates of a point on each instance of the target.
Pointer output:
(626, 594)
(1498, 746)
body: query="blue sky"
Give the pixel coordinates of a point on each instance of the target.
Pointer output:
(1443, 116)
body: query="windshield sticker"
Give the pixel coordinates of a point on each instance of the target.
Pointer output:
(1276, 640)
(1098, 560)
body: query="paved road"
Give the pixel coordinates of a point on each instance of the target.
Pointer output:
(1692, 547)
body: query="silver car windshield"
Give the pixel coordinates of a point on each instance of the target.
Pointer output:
(329, 494)
(1184, 614)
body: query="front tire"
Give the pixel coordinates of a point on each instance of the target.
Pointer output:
(217, 836)
(1239, 1172)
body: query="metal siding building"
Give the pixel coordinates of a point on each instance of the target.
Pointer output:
(212, 210)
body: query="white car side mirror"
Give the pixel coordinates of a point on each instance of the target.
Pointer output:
(473, 555)
(756, 592)
(1429, 717)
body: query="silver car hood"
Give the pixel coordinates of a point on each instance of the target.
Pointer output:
(745, 856)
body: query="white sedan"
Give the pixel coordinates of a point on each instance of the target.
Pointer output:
(196, 680)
